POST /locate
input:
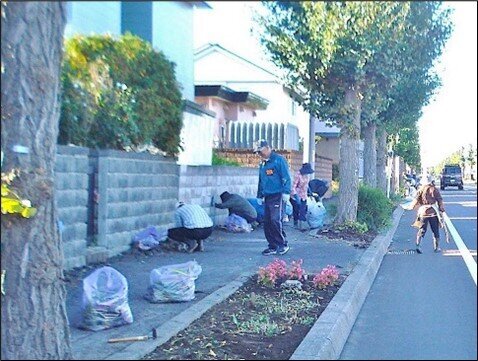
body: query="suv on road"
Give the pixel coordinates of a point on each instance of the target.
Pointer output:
(451, 175)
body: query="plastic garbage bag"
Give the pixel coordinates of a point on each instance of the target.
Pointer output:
(150, 238)
(105, 300)
(237, 224)
(315, 213)
(173, 283)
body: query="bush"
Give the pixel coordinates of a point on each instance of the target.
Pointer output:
(356, 227)
(218, 160)
(334, 186)
(118, 93)
(335, 172)
(374, 208)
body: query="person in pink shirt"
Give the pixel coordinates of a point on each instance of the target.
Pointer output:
(298, 195)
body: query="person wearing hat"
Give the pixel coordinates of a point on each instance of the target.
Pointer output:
(237, 205)
(431, 206)
(192, 226)
(274, 186)
(298, 195)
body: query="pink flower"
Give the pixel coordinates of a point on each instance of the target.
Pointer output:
(326, 277)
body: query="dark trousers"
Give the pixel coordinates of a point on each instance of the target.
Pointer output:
(434, 225)
(273, 229)
(299, 209)
(182, 234)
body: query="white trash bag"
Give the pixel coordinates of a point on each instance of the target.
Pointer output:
(237, 224)
(315, 213)
(105, 300)
(173, 283)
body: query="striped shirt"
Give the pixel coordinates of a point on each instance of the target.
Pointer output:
(192, 216)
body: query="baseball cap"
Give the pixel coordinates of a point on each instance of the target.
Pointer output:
(259, 145)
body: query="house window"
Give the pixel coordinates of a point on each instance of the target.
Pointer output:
(241, 109)
(293, 108)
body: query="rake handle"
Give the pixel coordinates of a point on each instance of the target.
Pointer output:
(128, 339)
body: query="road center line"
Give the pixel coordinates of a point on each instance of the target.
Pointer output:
(465, 253)
(463, 218)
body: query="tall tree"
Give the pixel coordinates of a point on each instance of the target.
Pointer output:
(34, 321)
(428, 27)
(324, 48)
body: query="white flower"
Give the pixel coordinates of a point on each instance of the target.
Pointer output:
(123, 87)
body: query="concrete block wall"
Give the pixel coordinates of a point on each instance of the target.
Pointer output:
(199, 184)
(136, 190)
(71, 187)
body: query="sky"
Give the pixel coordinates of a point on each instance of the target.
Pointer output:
(448, 122)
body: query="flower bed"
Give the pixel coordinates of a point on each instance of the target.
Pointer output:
(267, 318)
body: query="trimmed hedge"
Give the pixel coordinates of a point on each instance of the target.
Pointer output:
(118, 93)
(374, 208)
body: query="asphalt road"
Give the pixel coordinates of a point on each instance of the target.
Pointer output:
(422, 306)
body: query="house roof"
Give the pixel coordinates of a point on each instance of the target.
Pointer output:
(211, 47)
(324, 130)
(230, 95)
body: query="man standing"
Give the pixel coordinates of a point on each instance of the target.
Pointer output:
(431, 206)
(274, 187)
(192, 226)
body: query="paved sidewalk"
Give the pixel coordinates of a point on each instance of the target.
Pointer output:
(227, 261)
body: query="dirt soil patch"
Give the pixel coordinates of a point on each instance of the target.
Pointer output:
(255, 323)
(356, 239)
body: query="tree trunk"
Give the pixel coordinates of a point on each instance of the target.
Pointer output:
(34, 320)
(370, 155)
(382, 159)
(392, 175)
(311, 153)
(349, 161)
(402, 169)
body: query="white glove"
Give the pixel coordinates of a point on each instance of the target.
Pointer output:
(285, 197)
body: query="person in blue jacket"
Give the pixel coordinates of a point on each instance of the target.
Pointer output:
(274, 187)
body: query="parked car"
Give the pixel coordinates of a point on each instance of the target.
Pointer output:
(451, 175)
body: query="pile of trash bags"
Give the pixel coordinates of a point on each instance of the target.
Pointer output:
(173, 283)
(105, 300)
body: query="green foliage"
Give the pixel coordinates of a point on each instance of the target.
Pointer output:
(354, 226)
(460, 157)
(408, 146)
(428, 28)
(12, 203)
(374, 208)
(335, 172)
(218, 160)
(325, 48)
(118, 93)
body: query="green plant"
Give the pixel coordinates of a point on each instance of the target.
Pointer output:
(118, 92)
(334, 186)
(11, 202)
(331, 209)
(218, 160)
(354, 226)
(374, 208)
(335, 172)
